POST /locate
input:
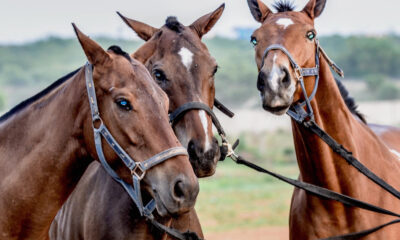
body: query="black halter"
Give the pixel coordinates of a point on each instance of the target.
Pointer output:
(183, 109)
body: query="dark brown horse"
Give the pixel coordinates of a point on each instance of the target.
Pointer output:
(47, 143)
(312, 217)
(181, 64)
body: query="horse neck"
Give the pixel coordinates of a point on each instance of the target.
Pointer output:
(317, 162)
(42, 157)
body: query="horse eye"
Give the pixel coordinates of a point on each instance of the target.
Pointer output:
(311, 35)
(124, 104)
(254, 41)
(159, 75)
(215, 70)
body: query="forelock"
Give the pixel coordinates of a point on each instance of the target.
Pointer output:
(173, 24)
(284, 6)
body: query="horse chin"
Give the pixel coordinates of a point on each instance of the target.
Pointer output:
(280, 110)
(201, 173)
(204, 167)
(164, 210)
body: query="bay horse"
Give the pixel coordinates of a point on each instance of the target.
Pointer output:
(182, 66)
(47, 141)
(286, 36)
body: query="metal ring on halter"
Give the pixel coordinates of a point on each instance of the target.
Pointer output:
(138, 170)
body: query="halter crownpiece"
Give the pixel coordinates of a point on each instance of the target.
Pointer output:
(138, 169)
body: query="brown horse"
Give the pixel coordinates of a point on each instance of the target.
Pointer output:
(47, 142)
(310, 216)
(181, 64)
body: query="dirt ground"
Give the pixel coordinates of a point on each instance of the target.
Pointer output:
(264, 233)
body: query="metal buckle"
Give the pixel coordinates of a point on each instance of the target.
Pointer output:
(297, 73)
(97, 121)
(138, 171)
(231, 153)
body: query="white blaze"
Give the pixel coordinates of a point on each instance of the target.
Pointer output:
(204, 122)
(186, 57)
(395, 153)
(274, 79)
(284, 22)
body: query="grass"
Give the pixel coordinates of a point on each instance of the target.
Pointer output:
(238, 197)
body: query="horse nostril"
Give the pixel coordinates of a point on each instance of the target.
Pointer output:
(179, 191)
(191, 149)
(261, 82)
(286, 77)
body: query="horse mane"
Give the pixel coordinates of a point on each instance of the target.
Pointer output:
(350, 102)
(36, 97)
(117, 50)
(173, 24)
(284, 6)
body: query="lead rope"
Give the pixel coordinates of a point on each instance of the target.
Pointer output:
(321, 192)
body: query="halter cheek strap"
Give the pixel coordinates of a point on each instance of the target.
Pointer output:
(297, 111)
(182, 110)
(138, 169)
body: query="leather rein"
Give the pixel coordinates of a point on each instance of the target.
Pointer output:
(305, 118)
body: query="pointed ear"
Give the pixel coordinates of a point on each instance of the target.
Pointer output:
(143, 30)
(94, 53)
(204, 24)
(145, 51)
(259, 10)
(314, 8)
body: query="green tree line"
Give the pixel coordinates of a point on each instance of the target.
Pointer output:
(42, 62)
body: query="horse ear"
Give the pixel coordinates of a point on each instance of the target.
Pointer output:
(204, 24)
(145, 51)
(94, 53)
(143, 30)
(314, 8)
(259, 10)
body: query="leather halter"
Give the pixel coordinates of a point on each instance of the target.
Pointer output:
(138, 169)
(307, 121)
(297, 111)
(183, 109)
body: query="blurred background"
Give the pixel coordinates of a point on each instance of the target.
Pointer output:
(37, 46)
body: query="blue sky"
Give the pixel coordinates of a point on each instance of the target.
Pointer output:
(23, 21)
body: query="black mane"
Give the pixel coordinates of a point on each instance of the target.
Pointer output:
(117, 50)
(173, 24)
(350, 102)
(284, 6)
(36, 97)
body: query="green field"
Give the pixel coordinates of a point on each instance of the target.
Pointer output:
(238, 197)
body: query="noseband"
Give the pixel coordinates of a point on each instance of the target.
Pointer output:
(297, 111)
(183, 109)
(137, 169)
